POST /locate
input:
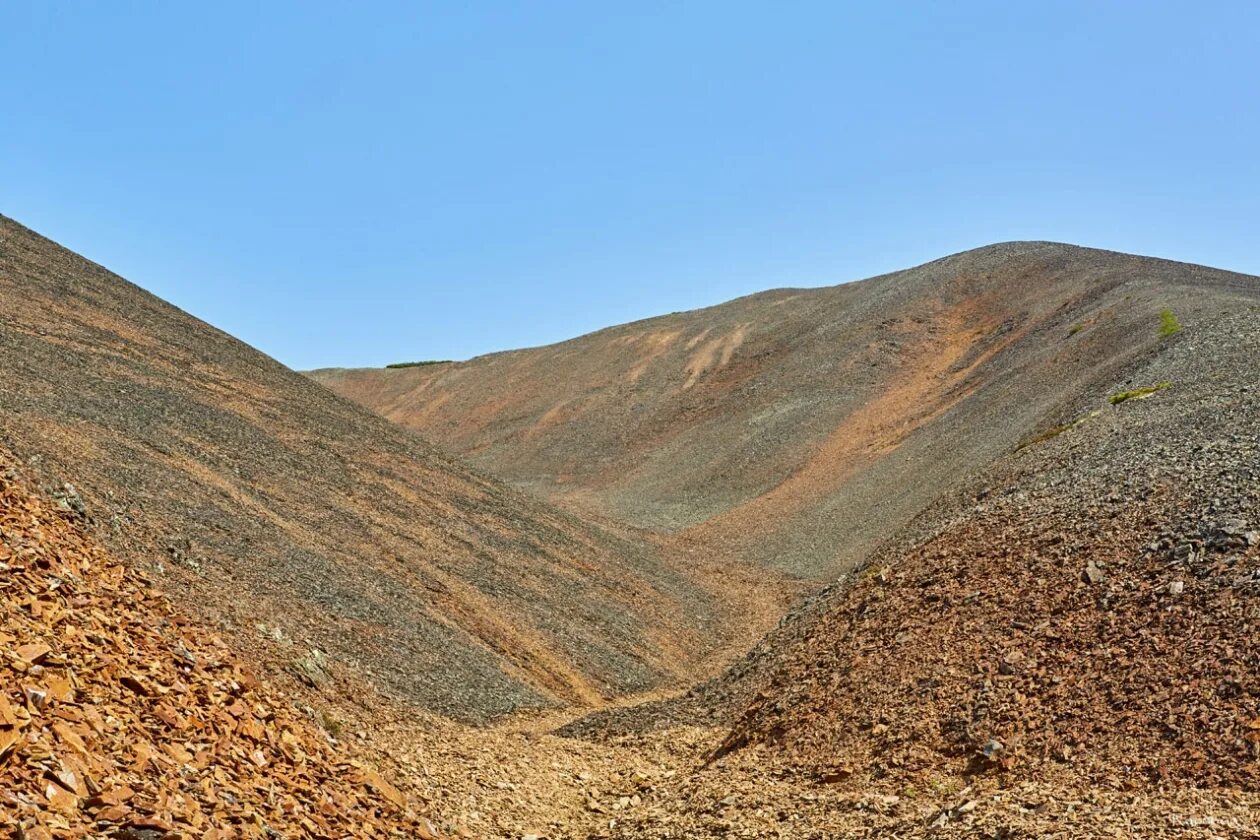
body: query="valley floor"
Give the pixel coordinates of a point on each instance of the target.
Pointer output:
(518, 780)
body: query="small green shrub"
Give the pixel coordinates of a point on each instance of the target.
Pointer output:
(397, 365)
(1168, 324)
(1075, 329)
(1138, 393)
(1055, 431)
(1042, 437)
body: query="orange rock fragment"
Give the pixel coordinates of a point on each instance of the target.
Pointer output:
(61, 799)
(33, 653)
(84, 752)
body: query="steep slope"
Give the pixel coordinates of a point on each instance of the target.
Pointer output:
(798, 428)
(1067, 645)
(306, 525)
(119, 717)
(1093, 603)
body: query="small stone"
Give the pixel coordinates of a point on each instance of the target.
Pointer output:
(69, 499)
(1093, 574)
(313, 669)
(1176, 587)
(33, 653)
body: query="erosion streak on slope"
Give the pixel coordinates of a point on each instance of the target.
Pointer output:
(714, 354)
(921, 388)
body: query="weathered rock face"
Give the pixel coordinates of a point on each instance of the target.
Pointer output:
(120, 718)
(257, 497)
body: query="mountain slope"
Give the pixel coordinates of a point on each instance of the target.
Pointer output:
(118, 717)
(299, 521)
(1066, 644)
(798, 428)
(1088, 602)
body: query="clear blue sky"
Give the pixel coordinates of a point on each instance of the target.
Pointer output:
(362, 183)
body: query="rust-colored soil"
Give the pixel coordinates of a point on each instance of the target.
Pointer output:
(1038, 616)
(1048, 632)
(119, 717)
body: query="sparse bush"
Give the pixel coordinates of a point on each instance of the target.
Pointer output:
(1055, 431)
(1138, 393)
(396, 365)
(1075, 329)
(1042, 437)
(1168, 324)
(875, 570)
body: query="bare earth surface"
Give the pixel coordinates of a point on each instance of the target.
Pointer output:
(299, 522)
(798, 428)
(1032, 504)
(120, 718)
(1066, 648)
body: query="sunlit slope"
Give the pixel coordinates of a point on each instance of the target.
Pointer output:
(300, 521)
(799, 428)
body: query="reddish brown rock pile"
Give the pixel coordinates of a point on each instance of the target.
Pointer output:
(1113, 639)
(119, 718)
(998, 647)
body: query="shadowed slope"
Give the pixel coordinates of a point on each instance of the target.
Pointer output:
(801, 427)
(299, 520)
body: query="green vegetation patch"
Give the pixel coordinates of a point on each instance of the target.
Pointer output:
(1075, 329)
(1138, 393)
(1168, 324)
(1055, 431)
(396, 365)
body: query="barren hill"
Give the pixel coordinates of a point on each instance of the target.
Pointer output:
(301, 522)
(1065, 646)
(800, 428)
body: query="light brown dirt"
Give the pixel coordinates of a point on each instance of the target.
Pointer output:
(1051, 635)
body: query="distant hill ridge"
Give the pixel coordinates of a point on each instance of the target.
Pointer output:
(799, 428)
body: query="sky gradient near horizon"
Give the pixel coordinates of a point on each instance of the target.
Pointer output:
(358, 184)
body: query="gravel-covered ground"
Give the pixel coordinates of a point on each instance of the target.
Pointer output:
(1034, 499)
(299, 521)
(120, 718)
